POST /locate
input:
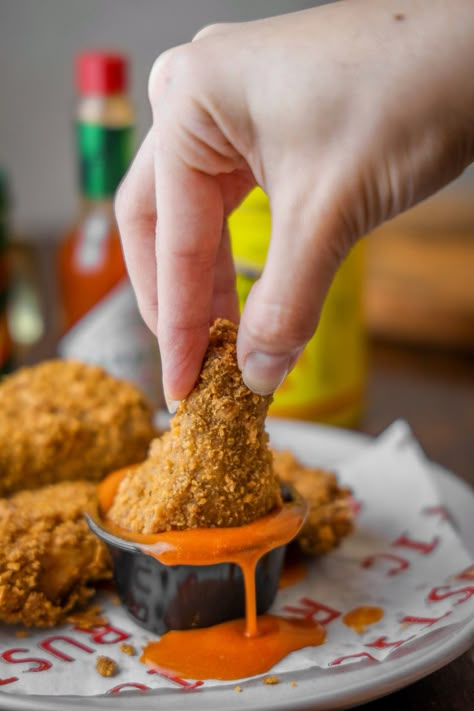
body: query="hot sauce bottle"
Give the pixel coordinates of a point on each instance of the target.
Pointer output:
(100, 319)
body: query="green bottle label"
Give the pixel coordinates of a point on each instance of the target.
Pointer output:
(104, 154)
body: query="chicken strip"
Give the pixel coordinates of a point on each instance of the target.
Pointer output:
(330, 516)
(49, 559)
(65, 420)
(214, 467)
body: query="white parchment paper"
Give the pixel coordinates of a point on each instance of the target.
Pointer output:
(405, 557)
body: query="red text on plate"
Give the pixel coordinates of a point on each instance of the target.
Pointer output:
(41, 664)
(359, 655)
(397, 563)
(442, 592)
(423, 547)
(47, 645)
(189, 685)
(425, 621)
(310, 609)
(127, 686)
(384, 643)
(107, 634)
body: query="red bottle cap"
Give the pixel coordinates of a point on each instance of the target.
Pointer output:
(101, 73)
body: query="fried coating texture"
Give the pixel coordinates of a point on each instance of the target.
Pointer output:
(330, 516)
(106, 666)
(49, 560)
(65, 420)
(214, 467)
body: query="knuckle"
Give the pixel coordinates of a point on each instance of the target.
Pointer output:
(210, 30)
(279, 327)
(176, 64)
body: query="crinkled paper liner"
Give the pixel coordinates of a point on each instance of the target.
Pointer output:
(404, 556)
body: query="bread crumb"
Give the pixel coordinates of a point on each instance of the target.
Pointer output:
(89, 618)
(399, 16)
(270, 680)
(106, 666)
(22, 633)
(293, 683)
(128, 649)
(238, 689)
(115, 600)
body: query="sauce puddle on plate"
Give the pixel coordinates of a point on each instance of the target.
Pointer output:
(360, 617)
(226, 652)
(237, 648)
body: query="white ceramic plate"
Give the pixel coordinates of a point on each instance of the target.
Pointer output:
(340, 688)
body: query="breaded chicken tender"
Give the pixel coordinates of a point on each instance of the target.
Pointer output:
(64, 420)
(49, 559)
(330, 516)
(214, 467)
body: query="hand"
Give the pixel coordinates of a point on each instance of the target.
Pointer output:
(345, 114)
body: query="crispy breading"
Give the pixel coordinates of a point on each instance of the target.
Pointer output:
(49, 559)
(106, 666)
(330, 516)
(64, 420)
(214, 467)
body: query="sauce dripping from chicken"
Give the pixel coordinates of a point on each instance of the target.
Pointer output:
(237, 648)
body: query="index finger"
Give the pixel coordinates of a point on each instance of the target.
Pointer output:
(190, 219)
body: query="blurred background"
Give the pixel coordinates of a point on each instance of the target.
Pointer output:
(38, 43)
(417, 286)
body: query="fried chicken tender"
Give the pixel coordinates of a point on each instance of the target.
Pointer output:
(65, 420)
(330, 516)
(49, 560)
(214, 467)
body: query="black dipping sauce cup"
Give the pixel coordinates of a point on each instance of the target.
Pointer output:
(162, 597)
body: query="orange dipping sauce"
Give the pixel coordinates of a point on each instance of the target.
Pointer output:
(225, 652)
(360, 617)
(237, 648)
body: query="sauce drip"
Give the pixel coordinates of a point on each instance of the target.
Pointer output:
(225, 652)
(360, 617)
(234, 649)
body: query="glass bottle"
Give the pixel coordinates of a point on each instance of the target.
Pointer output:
(100, 319)
(328, 382)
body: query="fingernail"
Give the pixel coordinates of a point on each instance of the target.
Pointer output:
(172, 405)
(264, 372)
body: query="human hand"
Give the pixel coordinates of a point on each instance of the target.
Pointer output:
(345, 114)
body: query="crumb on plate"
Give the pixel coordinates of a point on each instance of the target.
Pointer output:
(106, 666)
(89, 618)
(271, 680)
(128, 649)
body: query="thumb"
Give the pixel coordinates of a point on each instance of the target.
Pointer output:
(283, 308)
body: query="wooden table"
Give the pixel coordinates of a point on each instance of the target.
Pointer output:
(434, 392)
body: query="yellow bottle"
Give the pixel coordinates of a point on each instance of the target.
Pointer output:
(328, 382)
